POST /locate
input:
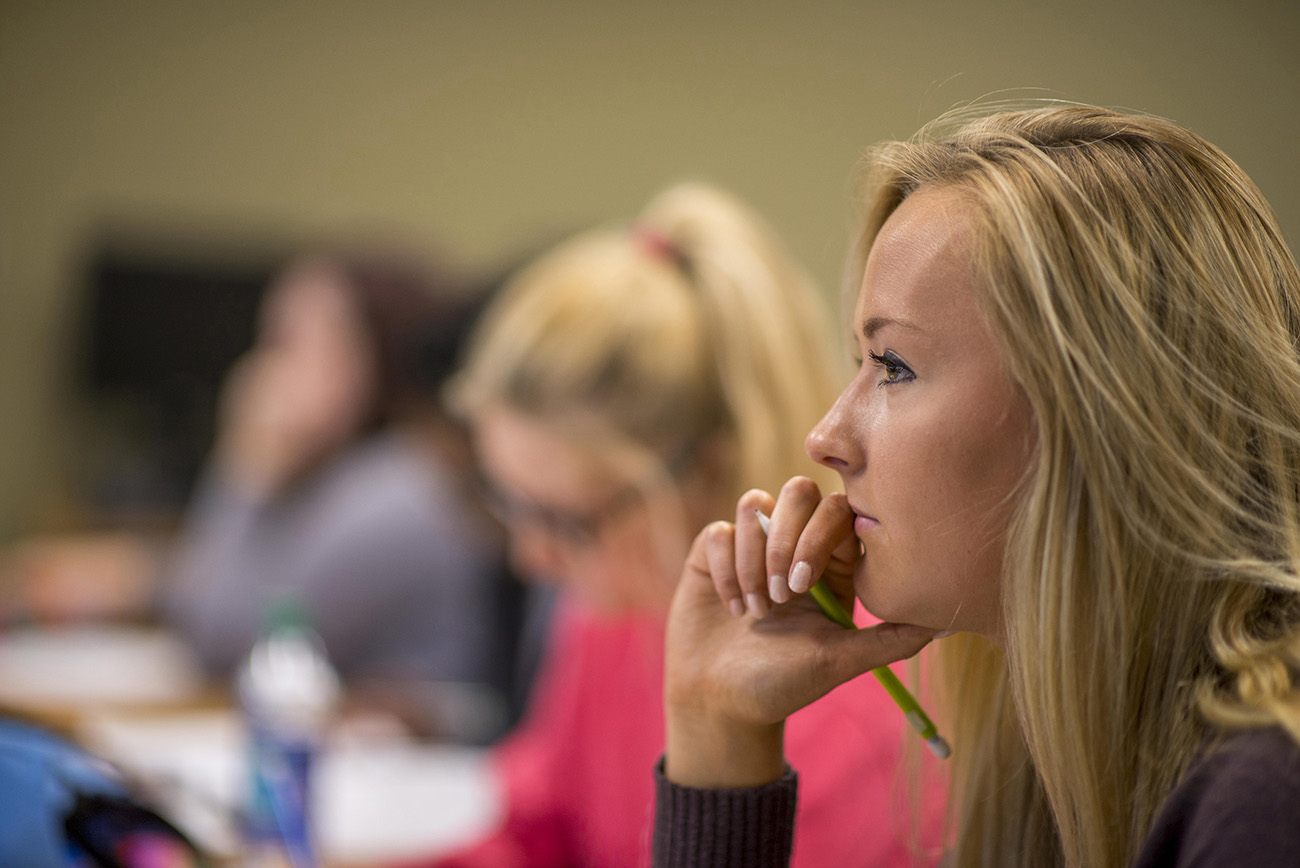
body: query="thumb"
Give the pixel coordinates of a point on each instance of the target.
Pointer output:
(853, 652)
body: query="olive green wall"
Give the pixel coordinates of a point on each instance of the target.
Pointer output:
(488, 124)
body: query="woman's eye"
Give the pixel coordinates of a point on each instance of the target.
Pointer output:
(896, 370)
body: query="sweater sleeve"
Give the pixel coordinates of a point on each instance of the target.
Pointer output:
(212, 583)
(744, 828)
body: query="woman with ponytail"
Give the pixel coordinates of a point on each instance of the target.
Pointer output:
(622, 393)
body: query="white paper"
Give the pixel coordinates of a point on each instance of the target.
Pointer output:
(373, 802)
(95, 666)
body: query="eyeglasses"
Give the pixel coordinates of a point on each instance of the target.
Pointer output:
(571, 527)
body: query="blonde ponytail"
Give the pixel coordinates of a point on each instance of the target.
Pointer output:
(688, 331)
(769, 332)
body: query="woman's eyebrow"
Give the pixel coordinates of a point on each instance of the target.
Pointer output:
(876, 323)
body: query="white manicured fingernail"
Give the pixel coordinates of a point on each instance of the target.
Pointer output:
(737, 607)
(757, 604)
(778, 589)
(801, 577)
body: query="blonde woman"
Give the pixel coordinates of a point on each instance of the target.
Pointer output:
(1074, 440)
(620, 393)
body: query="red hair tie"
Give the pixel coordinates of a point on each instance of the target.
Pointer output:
(658, 245)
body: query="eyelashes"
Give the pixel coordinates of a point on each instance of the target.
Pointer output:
(895, 369)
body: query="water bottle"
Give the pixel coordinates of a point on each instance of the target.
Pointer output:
(288, 691)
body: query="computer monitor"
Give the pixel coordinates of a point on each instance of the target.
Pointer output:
(161, 327)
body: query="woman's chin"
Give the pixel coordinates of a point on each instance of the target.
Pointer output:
(886, 610)
(876, 608)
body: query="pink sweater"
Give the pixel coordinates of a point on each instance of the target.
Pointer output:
(578, 772)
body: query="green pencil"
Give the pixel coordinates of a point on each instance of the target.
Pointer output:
(912, 710)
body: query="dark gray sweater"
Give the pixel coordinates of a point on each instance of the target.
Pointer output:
(1238, 805)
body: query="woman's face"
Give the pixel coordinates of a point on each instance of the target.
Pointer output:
(932, 436)
(574, 521)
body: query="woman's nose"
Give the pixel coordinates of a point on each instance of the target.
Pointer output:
(828, 442)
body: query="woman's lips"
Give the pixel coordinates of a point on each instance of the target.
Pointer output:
(863, 522)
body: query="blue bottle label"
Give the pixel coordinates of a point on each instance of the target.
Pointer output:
(280, 772)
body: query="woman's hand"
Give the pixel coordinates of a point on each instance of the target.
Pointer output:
(284, 410)
(744, 650)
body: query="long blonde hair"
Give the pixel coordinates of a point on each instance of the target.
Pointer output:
(689, 331)
(1150, 310)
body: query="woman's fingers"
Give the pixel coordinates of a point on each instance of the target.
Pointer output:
(827, 535)
(794, 506)
(807, 534)
(751, 550)
(751, 567)
(717, 545)
(850, 653)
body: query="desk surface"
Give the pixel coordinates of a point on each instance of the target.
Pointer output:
(81, 666)
(374, 801)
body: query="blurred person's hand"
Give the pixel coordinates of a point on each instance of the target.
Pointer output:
(80, 577)
(304, 391)
(283, 411)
